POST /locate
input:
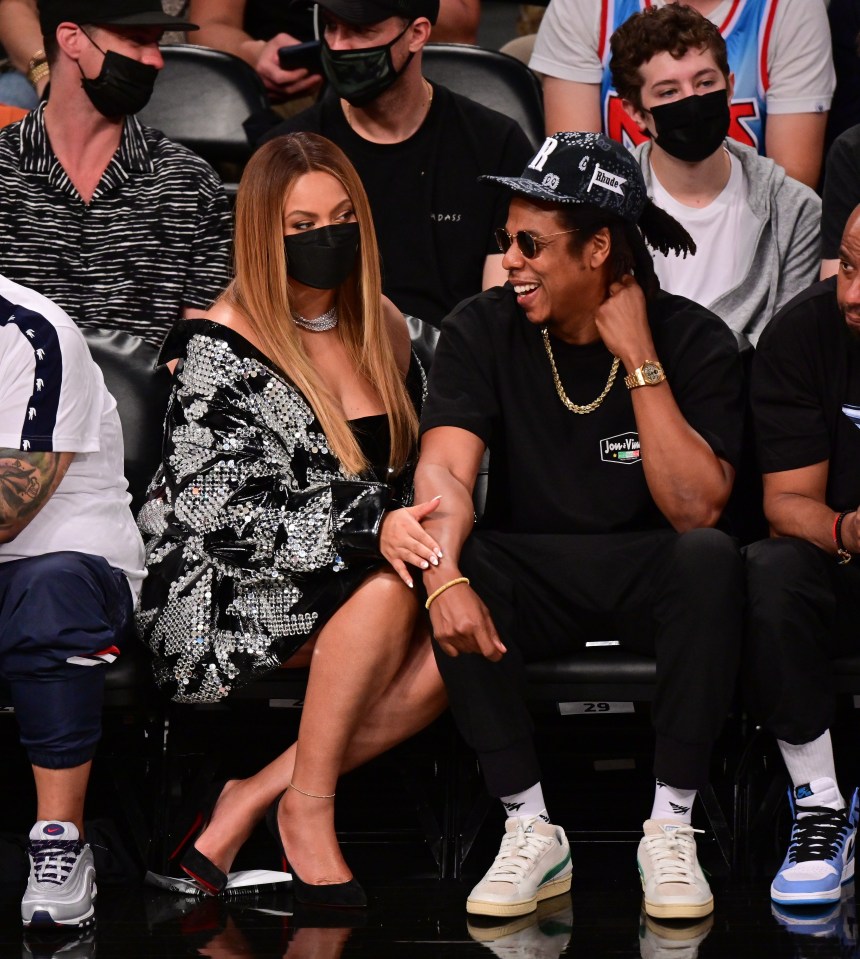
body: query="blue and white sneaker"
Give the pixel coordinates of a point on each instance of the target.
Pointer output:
(820, 856)
(828, 921)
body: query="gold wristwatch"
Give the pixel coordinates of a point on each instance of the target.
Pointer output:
(650, 373)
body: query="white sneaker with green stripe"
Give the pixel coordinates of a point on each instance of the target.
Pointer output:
(533, 864)
(673, 884)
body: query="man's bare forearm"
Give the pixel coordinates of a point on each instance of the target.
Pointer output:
(27, 481)
(686, 479)
(793, 514)
(20, 31)
(450, 524)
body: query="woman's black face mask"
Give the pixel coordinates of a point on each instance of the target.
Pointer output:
(322, 258)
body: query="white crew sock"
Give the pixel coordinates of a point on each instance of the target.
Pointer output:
(526, 804)
(813, 773)
(672, 803)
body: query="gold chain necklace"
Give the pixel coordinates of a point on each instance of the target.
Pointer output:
(575, 407)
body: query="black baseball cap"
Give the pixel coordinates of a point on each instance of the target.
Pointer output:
(582, 168)
(360, 12)
(108, 13)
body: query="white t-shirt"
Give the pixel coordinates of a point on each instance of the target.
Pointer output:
(53, 399)
(799, 55)
(725, 232)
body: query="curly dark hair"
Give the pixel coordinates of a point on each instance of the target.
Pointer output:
(673, 28)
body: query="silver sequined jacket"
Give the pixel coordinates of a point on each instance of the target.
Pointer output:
(254, 534)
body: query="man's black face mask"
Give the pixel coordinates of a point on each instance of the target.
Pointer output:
(693, 128)
(123, 85)
(359, 76)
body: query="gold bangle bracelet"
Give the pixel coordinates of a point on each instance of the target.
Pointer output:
(438, 592)
(38, 72)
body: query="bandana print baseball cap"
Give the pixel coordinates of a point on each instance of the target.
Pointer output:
(582, 168)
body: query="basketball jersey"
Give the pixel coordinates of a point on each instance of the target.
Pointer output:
(746, 29)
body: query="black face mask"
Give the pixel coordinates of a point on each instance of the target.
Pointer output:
(322, 258)
(359, 76)
(123, 85)
(693, 128)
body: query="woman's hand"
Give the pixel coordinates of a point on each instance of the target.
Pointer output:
(402, 539)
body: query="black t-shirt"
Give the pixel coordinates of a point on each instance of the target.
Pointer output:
(806, 379)
(841, 190)
(265, 19)
(844, 16)
(555, 471)
(434, 221)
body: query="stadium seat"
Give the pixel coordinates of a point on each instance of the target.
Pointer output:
(491, 78)
(203, 99)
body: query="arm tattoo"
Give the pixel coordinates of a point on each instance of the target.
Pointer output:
(26, 482)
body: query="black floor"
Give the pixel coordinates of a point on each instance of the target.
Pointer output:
(597, 783)
(414, 916)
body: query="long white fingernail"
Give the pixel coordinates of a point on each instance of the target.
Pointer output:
(410, 584)
(439, 553)
(437, 497)
(434, 560)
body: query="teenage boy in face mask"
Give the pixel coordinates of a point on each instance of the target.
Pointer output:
(118, 225)
(418, 149)
(756, 229)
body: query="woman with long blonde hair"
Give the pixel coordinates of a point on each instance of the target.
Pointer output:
(276, 527)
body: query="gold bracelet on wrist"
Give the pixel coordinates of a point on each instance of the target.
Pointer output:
(448, 585)
(38, 68)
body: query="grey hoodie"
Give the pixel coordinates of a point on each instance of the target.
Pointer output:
(787, 253)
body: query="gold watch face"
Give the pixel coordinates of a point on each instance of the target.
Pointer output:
(652, 372)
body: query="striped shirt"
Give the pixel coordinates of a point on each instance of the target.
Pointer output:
(154, 238)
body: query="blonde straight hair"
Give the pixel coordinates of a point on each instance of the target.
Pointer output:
(260, 293)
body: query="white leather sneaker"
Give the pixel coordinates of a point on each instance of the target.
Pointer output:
(533, 864)
(672, 879)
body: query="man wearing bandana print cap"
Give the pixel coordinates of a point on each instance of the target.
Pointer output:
(120, 227)
(613, 415)
(418, 148)
(756, 229)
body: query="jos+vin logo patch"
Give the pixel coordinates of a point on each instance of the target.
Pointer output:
(623, 448)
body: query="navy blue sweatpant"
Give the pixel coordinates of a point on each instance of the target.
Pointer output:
(63, 617)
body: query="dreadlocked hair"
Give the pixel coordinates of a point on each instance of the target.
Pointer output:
(629, 253)
(663, 232)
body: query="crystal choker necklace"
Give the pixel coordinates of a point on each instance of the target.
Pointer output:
(328, 321)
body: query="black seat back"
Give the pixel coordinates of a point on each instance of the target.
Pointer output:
(141, 391)
(202, 99)
(491, 78)
(424, 339)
